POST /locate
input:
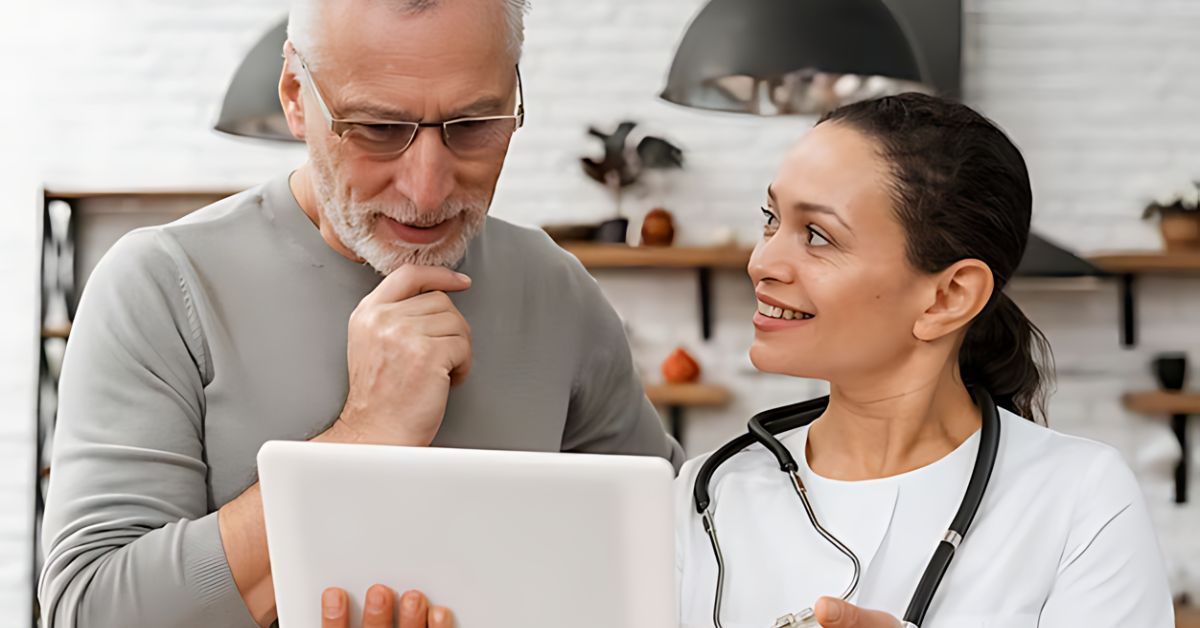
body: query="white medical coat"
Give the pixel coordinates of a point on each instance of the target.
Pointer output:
(1061, 540)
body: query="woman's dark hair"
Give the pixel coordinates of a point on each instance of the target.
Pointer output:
(961, 191)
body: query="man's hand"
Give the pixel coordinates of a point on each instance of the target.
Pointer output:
(379, 610)
(407, 345)
(835, 613)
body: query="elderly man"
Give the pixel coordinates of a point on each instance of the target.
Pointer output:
(197, 341)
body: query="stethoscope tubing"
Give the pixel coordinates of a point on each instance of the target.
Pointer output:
(764, 427)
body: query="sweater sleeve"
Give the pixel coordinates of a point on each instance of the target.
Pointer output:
(1111, 574)
(609, 411)
(130, 536)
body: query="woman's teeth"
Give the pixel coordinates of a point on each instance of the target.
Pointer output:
(771, 311)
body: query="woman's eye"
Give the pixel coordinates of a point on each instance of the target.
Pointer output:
(815, 238)
(772, 222)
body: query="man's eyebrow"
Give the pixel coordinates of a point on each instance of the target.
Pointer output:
(485, 106)
(488, 105)
(372, 111)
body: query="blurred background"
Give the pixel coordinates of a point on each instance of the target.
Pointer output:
(107, 109)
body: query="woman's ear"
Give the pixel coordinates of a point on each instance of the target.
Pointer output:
(290, 94)
(963, 290)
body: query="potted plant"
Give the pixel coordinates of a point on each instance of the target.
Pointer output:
(623, 166)
(1178, 209)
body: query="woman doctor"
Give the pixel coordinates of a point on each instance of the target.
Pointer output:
(889, 233)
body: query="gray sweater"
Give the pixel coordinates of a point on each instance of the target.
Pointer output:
(198, 341)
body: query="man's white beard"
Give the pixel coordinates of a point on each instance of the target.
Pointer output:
(355, 224)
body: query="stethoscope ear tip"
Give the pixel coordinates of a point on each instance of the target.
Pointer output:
(804, 619)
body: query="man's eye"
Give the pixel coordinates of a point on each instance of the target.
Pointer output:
(383, 134)
(815, 238)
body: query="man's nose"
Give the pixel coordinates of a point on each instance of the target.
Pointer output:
(426, 170)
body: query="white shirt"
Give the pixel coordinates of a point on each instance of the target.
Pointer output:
(1062, 538)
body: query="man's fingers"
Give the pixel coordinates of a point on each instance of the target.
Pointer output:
(408, 281)
(835, 613)
(414, 609)
(335, 609)
(379, 610)
(440, 617)
(424, 303)
(458, 355)
(439, 325)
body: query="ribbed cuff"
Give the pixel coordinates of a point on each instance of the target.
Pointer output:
(207, 573)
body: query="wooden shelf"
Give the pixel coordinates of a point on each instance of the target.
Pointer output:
(622, 256)
(1162, 402)
(1127, 265)
(1179, 406)
(1146, 262)
(1187, 617)
(700, 259)
(56, 332)
(688, 395)
(67, 194)
(678, 397)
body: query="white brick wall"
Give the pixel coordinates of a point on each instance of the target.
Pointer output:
(1099, 94)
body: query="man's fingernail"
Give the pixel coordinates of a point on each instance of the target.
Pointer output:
(331, 601)
(463, 277)
(411, 600)
(439, 614)
(375, 600)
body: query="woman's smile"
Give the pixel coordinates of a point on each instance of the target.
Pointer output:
(774, 315)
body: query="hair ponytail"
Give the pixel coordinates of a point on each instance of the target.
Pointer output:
(1007, 354)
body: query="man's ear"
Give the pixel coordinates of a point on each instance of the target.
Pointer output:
(962, 291)
(291, 97)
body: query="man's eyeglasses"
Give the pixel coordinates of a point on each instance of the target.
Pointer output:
(482, 136)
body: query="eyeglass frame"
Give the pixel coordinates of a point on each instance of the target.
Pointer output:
(346, 124)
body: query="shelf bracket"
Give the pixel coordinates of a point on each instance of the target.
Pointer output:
(705, 276)
(1128, 310)
(1179, 424)
(675, 420)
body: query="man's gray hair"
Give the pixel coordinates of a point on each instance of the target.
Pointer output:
(306, 14)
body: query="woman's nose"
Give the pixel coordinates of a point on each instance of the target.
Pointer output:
(773, 259)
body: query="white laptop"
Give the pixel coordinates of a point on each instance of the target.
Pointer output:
(504, 539)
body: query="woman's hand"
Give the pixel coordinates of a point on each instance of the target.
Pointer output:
(835, 613)
(379, 610)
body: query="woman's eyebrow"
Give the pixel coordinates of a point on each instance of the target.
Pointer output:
(805, 206)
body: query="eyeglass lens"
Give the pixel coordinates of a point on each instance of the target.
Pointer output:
(466, 137)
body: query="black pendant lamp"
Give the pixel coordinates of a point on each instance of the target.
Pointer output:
(772, 57)
(251, 107)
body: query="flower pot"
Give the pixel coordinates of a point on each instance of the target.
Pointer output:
(658, 228)
(613, 231)
(1181, 231)
(1171, 370)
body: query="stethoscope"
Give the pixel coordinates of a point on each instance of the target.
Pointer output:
(762, 429)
